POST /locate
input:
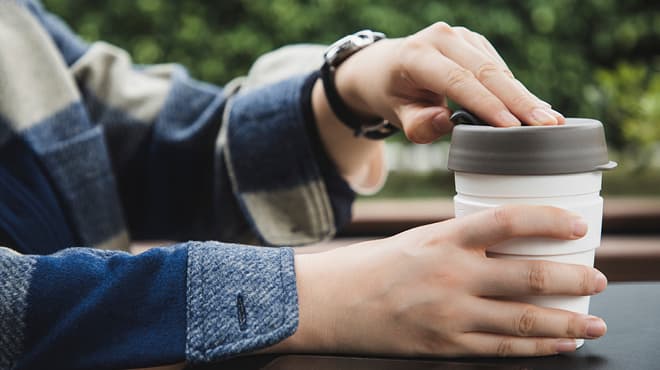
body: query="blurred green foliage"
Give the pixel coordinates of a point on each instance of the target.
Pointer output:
(636, 91)
(593, 58)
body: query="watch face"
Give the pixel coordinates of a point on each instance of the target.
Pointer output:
(347, 45)
(340, 50)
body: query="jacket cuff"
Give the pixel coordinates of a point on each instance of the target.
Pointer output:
(240, 299)
(15, 275)
(272, 168)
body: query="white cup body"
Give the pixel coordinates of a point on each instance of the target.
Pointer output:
(579, 193)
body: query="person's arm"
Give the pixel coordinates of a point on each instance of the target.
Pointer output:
(167, 157)
(432, 291)
(264, 155)
(361, 161)
(195, 302)
(427, 291)
(408, 81)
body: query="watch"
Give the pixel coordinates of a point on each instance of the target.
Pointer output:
(335, 55)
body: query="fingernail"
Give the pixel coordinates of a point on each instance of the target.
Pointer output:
(580, 227)
(540, 116)
(565, 345)
(505, 118)
(596, 328)
(600, 282)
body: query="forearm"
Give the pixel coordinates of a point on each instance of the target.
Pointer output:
(358, 160)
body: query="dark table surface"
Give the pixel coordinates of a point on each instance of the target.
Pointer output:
(631, 310)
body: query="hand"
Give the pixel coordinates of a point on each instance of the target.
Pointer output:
(432, 291)
(407, 81)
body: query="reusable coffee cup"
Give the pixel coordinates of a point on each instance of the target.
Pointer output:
(559, 166)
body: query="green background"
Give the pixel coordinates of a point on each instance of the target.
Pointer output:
(591, 58)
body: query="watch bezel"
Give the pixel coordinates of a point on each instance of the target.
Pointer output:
(348, 45)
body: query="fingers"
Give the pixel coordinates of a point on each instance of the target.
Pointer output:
(489, 227)
(481, 43)
(524, 277)
(526, 320)
(484, 344)
(489, 72)
(431, 70)
(560, 118)
(423, 124)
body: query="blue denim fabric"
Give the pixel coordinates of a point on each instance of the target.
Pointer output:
(15, 273)
(194, 163)
(199, 301)
(75, 155)
(240, 299)
(99, 309)
(28, 203)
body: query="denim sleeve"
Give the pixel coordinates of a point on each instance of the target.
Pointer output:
(187, 159)
(87, 308)
(271, 159)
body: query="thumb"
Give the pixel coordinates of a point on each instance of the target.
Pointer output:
(423, 124)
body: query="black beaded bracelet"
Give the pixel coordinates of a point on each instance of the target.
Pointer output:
(379, 129)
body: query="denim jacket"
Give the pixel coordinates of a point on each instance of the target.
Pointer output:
(96, 152)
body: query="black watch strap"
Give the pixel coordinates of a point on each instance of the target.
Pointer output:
(379, 129)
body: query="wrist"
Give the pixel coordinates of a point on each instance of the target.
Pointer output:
(347, 79)
(353, 156)
(315, 328)
(362, 80)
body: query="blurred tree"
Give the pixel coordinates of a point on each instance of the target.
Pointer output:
(631, 95)
(566, 51)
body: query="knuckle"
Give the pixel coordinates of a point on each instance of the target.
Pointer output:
(462, 30)
(537, 277)
(526, 322)
(408, 55)
(541, 347)
(442, 27)
(503, 218)
(575, 326)
(504, 348)
(484, 41)
(585, 280)
(524, 101)
(481, 37)
(412, 43)
(457, 78)
(489, 102)
(487, 71)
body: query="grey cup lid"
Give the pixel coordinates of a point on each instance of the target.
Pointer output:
(577, 146)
